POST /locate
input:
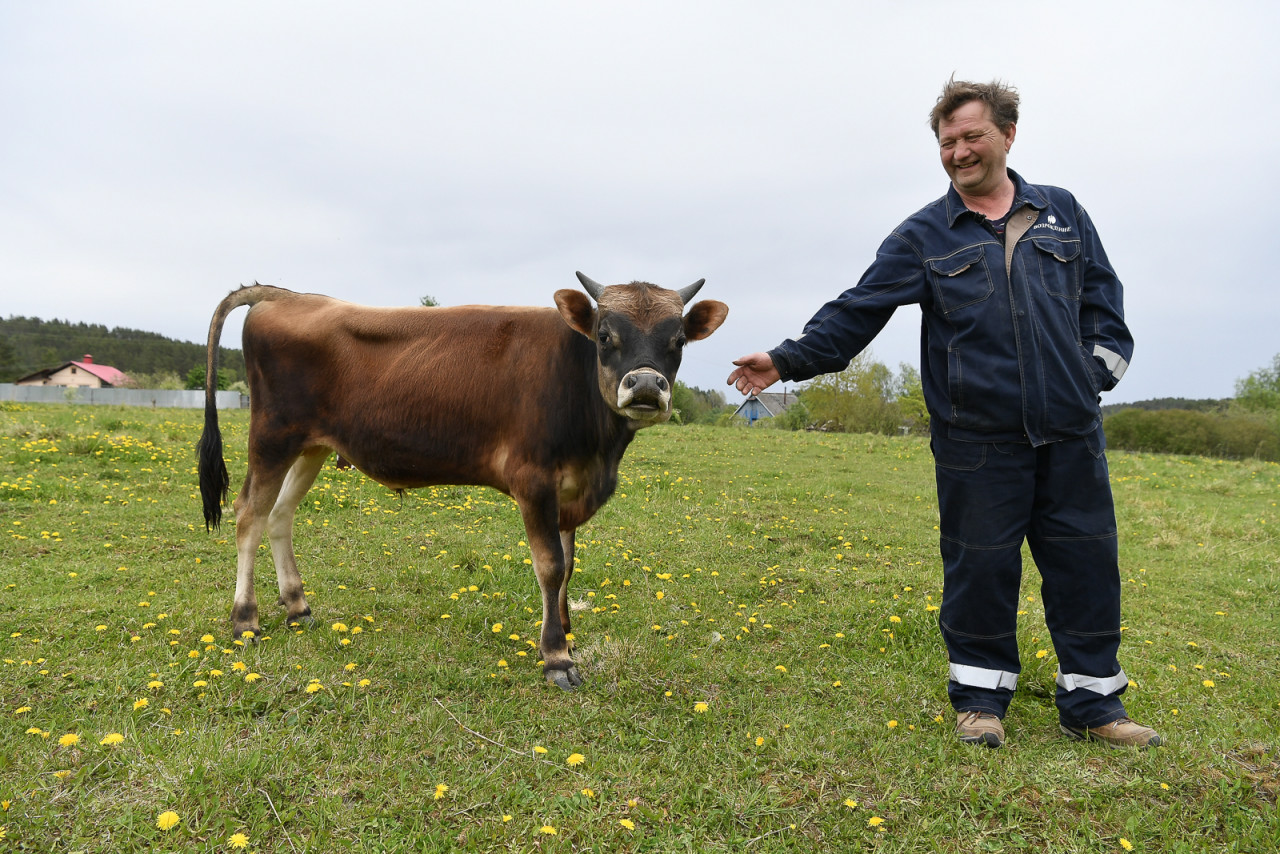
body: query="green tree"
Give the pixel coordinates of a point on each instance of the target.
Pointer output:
(196, 377)
(428, 301)
(694, 405)
(1260, 391)
(863, 398)
(911, 399)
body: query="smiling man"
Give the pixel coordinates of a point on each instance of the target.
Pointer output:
(1023, 328)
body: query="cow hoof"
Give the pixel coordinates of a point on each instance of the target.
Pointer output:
(303, 621)
(565, 679)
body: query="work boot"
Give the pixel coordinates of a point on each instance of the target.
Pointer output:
(1120, 733)
(980, 728)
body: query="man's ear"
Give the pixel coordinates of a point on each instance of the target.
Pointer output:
(577, 311)
(704, 318)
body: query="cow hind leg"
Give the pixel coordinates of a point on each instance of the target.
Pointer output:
(549, 561)
(252, 507)
(280, 532)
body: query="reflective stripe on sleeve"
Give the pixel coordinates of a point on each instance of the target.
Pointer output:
(1114, 361)
(981, 677)
(1104, 686)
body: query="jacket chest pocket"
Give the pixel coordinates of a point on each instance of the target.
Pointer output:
(961, 279)
(1059, 263)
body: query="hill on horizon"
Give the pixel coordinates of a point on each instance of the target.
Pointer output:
(29, 344)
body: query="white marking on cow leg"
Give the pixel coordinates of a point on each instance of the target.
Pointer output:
(280, 531)
(252, 506)
(567, 547)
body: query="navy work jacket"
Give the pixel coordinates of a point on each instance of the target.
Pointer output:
(1016, 342)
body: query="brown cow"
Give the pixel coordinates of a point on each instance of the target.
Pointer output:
(536, 403)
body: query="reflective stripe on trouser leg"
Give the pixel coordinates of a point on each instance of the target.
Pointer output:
(981, 677)
(1097, 684)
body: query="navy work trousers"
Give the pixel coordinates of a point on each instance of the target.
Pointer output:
(1057, 498)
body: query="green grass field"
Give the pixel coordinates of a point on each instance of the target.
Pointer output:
(755, 616)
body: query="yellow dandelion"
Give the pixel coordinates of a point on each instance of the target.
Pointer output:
(575, 759)
(22, 710)
(876, 821)
(1042, 653)
(62, 775)
(167, 820)
(238, 840)
(313, 687)
(69, 740)
(588, 793)
(780, 669)
(701, 708)
(759, 741)
(111, 738)
(252, 677)
(339, 627)
(891, 724)
(539, 749)
(206, 639)
(547, 829)
(155, 684)
(497, 627)
(627, 823)
(1208, 683)
(1126, 844)
(441, 788)
(851, 803)
(895, 619)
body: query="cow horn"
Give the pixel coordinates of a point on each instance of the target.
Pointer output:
(593, 287)
(686, 294)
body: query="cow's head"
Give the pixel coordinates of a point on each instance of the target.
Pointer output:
(640, 331)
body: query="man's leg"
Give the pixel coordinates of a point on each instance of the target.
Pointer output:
(1074, 542)
(984, 500)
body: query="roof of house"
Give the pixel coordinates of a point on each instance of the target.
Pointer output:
(106, 373)
(775, 403)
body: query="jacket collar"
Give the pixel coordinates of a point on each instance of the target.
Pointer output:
(1023, 194)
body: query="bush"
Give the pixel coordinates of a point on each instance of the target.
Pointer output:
(1179, 431)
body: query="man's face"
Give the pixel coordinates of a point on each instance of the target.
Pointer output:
(973, 149)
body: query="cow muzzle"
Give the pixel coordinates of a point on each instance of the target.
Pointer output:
(645, 395)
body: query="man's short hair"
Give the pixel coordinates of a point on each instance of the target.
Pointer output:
(1001, 98)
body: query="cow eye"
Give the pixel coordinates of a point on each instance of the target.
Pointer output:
(678, 343)
(605, 338)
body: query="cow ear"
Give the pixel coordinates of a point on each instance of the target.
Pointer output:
(577, 311)
(704, 318)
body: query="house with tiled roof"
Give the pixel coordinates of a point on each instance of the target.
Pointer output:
(765, 404)
(82, 374)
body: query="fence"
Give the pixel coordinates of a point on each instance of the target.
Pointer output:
(150, 398)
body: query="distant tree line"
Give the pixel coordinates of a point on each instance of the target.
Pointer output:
(868, 397)
(29, 344)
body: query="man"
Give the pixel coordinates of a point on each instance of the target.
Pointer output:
(1023, 327)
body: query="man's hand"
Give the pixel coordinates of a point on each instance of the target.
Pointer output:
(754, 373)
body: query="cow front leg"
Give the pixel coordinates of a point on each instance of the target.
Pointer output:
(280, 533)
(541, 522)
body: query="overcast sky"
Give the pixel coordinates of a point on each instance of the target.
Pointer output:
(154, 156)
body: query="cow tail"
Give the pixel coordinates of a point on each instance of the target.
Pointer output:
(212, 468)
